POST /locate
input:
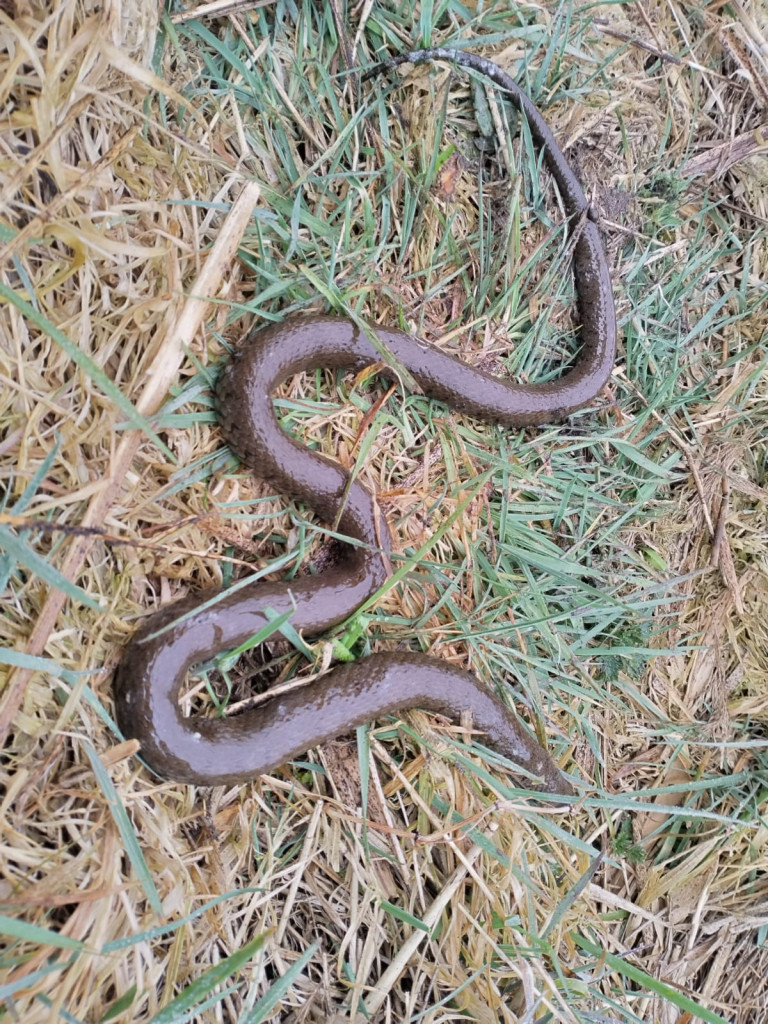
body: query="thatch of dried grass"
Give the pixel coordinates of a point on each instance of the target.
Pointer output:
(613, 569)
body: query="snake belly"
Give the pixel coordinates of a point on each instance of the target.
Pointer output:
(216, 751)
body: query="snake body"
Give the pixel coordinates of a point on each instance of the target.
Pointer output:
(212, 751)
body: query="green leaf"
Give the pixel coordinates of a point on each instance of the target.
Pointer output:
(125, 828)
(199, 990)
(34, 933)
(263, 1009)
(97, 375)
(30, 980)
(659, 988)
(276, 623)
(403, 915)
(19, 659)
(26, 556)
(120, 1005)
(632, 453)
(150, 934)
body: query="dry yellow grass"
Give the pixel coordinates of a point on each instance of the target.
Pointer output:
(127, 177)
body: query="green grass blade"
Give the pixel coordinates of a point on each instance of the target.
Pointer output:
(26, 556)
(97, 375)
(263, 1009)
(34, 933)
(649, 983)
(200, 989)
(125, 828)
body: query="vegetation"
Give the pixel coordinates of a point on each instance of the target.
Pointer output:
(607, 575)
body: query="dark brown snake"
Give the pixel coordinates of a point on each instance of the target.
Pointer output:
(212, 751)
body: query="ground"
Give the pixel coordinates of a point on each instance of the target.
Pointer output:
(168, 181)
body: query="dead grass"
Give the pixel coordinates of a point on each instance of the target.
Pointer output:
(612, 569)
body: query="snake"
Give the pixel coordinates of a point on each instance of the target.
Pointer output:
(230, 750)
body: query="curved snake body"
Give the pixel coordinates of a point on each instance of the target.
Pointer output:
(231, 750)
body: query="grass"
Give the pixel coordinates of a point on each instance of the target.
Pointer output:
(607, 575)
